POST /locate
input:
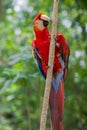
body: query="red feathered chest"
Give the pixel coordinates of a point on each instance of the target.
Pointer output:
(42, 44)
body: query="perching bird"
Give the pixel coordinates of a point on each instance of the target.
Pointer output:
(40, 46)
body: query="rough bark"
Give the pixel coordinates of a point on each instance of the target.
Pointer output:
(50, 69)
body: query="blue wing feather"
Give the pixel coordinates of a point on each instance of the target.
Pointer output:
(40, 68)
(39, 63)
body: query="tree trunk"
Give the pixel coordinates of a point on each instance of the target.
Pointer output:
(50, 69)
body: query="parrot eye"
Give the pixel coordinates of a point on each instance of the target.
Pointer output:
(39, 24)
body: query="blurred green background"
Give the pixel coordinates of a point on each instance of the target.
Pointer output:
(21, 84)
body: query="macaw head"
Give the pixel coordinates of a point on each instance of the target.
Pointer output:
(41, 21)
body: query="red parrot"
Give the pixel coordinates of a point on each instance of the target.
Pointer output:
(40, 46)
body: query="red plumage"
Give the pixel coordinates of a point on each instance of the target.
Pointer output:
(42, 43)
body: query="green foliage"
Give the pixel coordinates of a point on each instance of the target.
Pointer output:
(21, 85)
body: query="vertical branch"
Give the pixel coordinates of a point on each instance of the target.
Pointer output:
(50, 69)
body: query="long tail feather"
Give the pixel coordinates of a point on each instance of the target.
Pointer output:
(56, 104)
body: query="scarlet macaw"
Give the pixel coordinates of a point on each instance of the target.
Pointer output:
(40, 46)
